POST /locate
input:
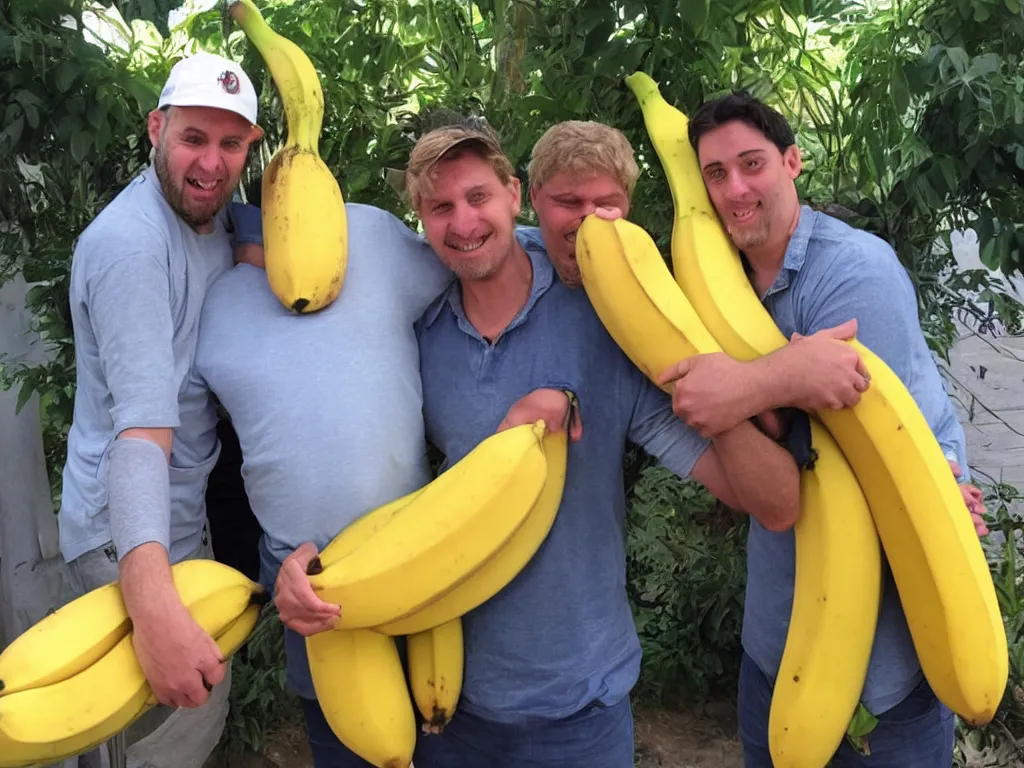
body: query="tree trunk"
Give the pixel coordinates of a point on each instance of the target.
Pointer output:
(33, 576)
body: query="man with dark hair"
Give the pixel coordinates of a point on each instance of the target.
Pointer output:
(813, 272)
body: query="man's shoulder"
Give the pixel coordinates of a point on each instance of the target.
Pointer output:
(836, 246)
(132, 221)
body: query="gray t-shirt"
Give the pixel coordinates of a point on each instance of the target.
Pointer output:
(327, 406)
(139, 276)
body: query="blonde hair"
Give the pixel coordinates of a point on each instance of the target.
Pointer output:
(583, 147)
(448, 143)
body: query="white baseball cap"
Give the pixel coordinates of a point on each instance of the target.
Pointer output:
(207, 80)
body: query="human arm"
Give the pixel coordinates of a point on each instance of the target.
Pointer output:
(247, 234)
(129, 314)
(742, 467)
(552, 406)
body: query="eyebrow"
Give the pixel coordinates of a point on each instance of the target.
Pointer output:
(741, 154)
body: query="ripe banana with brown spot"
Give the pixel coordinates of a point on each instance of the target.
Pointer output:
(435, 672)
(305, 228)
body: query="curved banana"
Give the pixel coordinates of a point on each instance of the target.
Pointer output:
(495, 574)
(929, 541)
(832, 625)
(78, 634)
(838, 560)
(435, 672)
(305, 228)
(360, 685)
(358, 532)
(443, 536)
(64, 718)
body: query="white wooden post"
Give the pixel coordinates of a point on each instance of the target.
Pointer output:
(33, 576)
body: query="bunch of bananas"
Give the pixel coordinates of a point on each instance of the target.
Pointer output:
(413, 568)
(880, 482)
(72, 680)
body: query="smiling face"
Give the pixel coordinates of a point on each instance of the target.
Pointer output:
(469, 215)
(562, 202)
(750, 183)
(200, 155)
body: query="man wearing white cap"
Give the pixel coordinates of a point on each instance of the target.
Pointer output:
(143, 441)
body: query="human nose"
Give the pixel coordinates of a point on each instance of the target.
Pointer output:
(465, 218)
(211, 159)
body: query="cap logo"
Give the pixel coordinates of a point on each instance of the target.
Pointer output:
(228, 81)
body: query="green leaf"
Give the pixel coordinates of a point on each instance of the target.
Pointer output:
(24, 395)
(1013, 6)
(900, 90)
(694, 13)
(65, 75)
(958, 57)
(80, 144)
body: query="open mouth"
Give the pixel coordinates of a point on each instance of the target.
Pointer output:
(746, 214)
(468, 246)
(203, 186)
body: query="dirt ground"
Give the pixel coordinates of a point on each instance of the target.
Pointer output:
(665, 739)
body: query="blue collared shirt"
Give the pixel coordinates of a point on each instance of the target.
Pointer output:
(560, 637)
(831, 273)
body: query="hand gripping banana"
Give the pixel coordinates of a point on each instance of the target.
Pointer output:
(929, 541)
(305, 229)
(73, 713)
(361, 687)
(838, 561)
(435, 673)
(507, 562)
(443, 536)
(78, 634)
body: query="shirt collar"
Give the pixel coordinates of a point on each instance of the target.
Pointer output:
(543, 276)
(796, 251)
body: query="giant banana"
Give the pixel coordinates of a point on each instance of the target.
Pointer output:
(441, 537)
(435, 672)
(936, 559)
(71, 715)
(360, 685)
(78, 634)
(358, 532)
(507, 562)
(838, 561)
(305, 229)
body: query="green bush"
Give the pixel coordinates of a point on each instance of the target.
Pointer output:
(686, 571)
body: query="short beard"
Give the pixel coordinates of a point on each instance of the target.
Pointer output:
(175, 195)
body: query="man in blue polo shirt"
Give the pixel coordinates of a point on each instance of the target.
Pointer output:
(550, 660)
(814, 272)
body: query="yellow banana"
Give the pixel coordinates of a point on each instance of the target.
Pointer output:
(305, 228)
(507, 562)
(929, 541)
(358, 532)
(435, 672)
(78, 634)
(838, 561)
(834, 616)
(441, 537)
(361, 688)
(70, 716)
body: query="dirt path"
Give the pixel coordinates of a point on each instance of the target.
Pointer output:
(665, 739)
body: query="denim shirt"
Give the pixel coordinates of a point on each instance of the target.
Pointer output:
(560, 637)
(831, 273)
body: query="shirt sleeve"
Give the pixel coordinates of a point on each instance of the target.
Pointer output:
(656, 429)
(874, 288)
(129, 310)
(426, 277)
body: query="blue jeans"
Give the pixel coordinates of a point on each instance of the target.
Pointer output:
(916, 733)
(328, 751)
(596, 737)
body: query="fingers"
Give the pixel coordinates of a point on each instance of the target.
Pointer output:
(505, 424)
(675, 372)
(979, 524)
(303, 554)
(862, 369)
(844, 332)
(307, 628)
(609, 213)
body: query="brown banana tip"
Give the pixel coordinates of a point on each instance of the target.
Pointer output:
(1, 685)
(314, 567)
(260, 596)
